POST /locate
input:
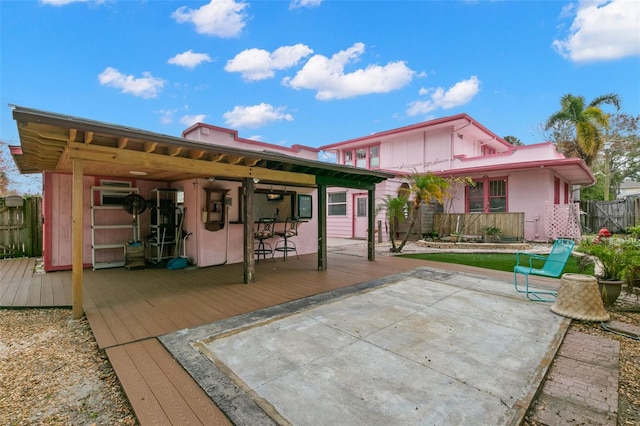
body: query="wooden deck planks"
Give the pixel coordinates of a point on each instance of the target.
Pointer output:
(159, 389)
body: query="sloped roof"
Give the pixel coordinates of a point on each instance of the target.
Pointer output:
(454, 122)
(51, 141)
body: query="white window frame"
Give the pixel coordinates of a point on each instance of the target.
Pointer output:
(331, 203)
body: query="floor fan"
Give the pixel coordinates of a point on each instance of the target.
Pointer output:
(134, 204)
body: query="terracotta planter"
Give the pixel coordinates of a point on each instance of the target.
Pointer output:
(610, 290)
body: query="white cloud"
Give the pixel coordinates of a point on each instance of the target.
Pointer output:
(63, 2)
(258, 64)
(602, 30)
(146, 87)
(221, 18)
(460, 94)
(190, 120)
(297, 4)
(327, 76)
(255, 116)
(166, 115)
(189, 59)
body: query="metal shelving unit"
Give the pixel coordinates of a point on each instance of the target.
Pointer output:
(102, 229)
(165, 217)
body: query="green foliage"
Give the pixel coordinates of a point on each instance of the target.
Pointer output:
(615, 255)
(394, 208)
(495, 261)
(588, 122)
(492, 231)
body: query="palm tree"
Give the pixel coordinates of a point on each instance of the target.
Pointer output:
(394, 208)
(587, 121)
(424, 188)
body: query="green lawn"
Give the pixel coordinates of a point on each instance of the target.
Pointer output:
(497, 261)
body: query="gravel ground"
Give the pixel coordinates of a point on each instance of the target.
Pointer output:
(52, 373)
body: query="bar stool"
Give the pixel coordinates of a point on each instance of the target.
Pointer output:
(284, 244)
(264, 232)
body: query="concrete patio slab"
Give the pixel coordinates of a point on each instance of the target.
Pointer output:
(423, 347)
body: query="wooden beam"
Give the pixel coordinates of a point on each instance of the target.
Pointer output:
(72, 135)
(196, 154)
(150, 146)
(234, 159)
(77, 229)
(345, 183)
(322, 227)
(122, 142)
(371, 215)
(247, 221)
(88, 137)
(180, 164)
(174, 150)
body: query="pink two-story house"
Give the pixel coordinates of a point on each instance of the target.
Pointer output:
(533, 179)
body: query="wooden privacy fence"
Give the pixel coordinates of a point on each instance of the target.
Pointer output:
(20, 226)
(615, 215)
(511, 225)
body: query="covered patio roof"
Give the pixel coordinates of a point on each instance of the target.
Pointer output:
(66, 144)
(51, 141)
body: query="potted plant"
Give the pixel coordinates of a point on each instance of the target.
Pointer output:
(491, 234)
(613, 258)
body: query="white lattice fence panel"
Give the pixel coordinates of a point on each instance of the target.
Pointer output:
(562, 221)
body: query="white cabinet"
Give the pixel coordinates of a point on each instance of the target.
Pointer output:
(111, 226)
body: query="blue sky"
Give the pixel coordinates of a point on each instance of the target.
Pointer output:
(315, 72)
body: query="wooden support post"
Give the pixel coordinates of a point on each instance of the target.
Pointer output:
(371, 215)
(322, 227)
(247, 220)
(76, 239)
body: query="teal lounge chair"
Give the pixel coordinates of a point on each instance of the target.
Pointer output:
(553, 266)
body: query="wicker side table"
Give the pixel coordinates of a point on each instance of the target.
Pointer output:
(579, 298)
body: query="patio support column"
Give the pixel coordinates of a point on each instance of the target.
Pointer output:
(247, 221)
(371, 235)
(322, 227)
(76, 239)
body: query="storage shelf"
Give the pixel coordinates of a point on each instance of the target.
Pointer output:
(96, 195)
(112, 226)
(113, 264)
(108, 246)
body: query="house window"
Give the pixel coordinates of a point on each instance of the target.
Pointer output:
(475, 198)
(487, 150)
(487, 196)
(374, 157)
(498, 196)
(348, 158)
(361, 158)
(337, 204)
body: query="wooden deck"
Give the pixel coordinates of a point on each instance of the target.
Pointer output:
(127, 310)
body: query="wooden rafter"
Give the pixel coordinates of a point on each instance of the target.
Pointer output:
(88, 137)
(180, 164)
(122, 142)
(196, 154)
(150, 146)
(174, 150)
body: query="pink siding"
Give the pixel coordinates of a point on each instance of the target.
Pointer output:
(57, 221)
(227, 137)
(462, 145)
(210, 248)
